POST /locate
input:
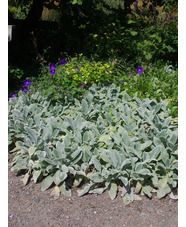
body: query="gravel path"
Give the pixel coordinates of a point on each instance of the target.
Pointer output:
(29, 207)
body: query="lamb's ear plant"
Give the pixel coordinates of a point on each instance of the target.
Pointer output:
(108, 139)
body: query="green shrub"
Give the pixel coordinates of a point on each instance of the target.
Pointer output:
(108, 138)
(139, 40)
(15, 73)
(72, 78)
(155, 83)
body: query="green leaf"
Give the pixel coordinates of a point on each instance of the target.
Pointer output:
(133, 33)
(96, 164)
(139, 166)
(78, 136)
(57, 153)
(104, 138)
(26, 178)
(128, 197)
(47, 133)
(32, 134)
(78, 157)
(148, 56)
(164, 156)
(163, 191)
(113, 190)
(67, 141)
(64, 190)
(156, 141)
(59, 177)
(145, 172)
(166, 122)
(90, 97)
(86, 189)
(31, 150)
(174, 138)
(48, 152)
(36, 175)
(163, 182)
(124, 180)
(97, 190)
(113, 158)
(155, 180)
(147, 190)
(138, 187)
(85, 106)
(116, 138)
(71, 122)
(155, 152)
(131, 22)
(78, 180)
(37, 118)
(78, 121)
(76, 153)
(125, 162)
(96, 177)
(145, 145)
(108, 117)
(86, 137)
(47, 182)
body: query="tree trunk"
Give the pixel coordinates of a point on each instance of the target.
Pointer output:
(31, 23)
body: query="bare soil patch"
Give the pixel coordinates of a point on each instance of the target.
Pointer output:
(29, 207)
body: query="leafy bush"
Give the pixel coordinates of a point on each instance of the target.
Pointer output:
(108, 139)
(141, 39)
(15, 73)
(156, 82)
(73, 76)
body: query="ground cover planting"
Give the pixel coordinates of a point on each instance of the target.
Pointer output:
(105, 141)
(93, 113)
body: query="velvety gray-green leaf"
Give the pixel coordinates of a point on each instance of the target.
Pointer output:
(47, 182)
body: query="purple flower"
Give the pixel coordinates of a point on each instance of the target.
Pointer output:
(113, 61)
(139, 70)
(52, 66)
(63, 61)
(142, 12)
(27, 82)
(13, 95)
(136, 5)
(53, 72)
(153, 8)
(77, 69)
(24, 89)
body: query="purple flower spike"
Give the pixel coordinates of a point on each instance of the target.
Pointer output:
(77, 69)
(24, 89)
(63, 61)
(27, 82)
(139, 70)
(136, 5)
(53, 72)
(153, 8)
(52, 66)
(13, 95)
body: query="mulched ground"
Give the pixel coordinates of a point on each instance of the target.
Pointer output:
(29, 207)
